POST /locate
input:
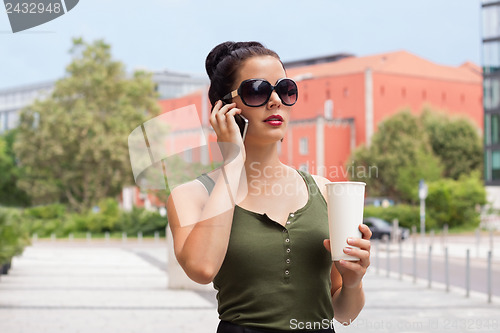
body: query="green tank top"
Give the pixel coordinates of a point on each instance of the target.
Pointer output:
(274, 276)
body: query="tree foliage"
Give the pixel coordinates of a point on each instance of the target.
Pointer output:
(10, 193)
(455, 141)
(455, 202)
(402, 154)
(73, 145)
(451, 202)
(407, 148)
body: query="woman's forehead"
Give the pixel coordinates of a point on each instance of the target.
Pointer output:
(261, 67)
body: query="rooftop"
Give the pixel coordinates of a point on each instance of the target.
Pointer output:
(398, 62)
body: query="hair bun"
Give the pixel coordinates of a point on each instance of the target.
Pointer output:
(223, 50)
(216, 55)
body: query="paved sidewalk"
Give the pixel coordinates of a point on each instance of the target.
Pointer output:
(115, 287)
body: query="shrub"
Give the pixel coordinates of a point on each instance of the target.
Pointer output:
(456, 202)
(142, 220)
(13, 238)
(407, 215)
(47, 212)
(106, 218)
(44, 220)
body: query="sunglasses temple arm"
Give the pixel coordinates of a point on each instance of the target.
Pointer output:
(231, 95)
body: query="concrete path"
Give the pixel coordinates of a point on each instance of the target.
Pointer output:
(119, 287)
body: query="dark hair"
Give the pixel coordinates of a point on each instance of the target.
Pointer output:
(223, 61)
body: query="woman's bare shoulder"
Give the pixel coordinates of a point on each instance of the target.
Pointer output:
(321, 179)
(193, 189)
(321, 182)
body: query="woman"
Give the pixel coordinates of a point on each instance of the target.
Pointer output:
(268, 255)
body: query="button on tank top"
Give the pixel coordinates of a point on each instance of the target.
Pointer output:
(273, 275)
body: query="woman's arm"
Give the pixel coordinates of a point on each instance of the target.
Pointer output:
(201, 224)
(348, 298)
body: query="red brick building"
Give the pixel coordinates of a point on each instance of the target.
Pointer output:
(341, 103)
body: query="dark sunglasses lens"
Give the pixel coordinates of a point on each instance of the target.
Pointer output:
(287, 91)
(255, 92)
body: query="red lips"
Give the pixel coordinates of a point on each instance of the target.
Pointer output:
(274, 117)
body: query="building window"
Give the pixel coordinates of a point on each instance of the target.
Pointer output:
(346, 92)
(491, 21)
(491, 93)
(382, 91)
(495, 165)
(487, 128)
(13, 120)
(487, 173)
(304, 146)
(424, 94)
(6, 121)
(403, 92)
(491, 57)
(328, 109)
(443, 97)
(495, 129)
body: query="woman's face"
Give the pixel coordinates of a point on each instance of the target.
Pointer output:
(260, 130)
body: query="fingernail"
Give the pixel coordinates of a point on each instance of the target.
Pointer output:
(347, 249)
(349, 240)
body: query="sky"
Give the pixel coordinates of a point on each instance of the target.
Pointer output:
(178, 34)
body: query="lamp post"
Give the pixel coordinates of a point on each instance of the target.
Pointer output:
(422, 194)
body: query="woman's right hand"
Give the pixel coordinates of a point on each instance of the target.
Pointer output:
(228, 132)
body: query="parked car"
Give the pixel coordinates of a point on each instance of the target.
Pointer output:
(382, 229)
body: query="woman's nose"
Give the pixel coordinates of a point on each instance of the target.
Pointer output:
(274, 100)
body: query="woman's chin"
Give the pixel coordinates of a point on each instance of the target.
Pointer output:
(264, 140)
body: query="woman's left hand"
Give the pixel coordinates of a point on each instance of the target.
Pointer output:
(352, 272)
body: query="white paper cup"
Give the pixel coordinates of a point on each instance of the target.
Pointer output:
(345, 214)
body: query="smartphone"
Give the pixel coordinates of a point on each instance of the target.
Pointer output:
(242, 123)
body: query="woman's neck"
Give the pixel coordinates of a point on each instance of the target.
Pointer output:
(263, 161)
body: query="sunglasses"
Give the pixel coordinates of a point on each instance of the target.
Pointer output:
(256, 92)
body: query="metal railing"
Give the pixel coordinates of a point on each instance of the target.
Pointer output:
(424, 251)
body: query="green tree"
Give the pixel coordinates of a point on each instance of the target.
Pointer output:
(401, 152)
(456, 202)
(73, 145)
(10, 193)
(455, 141)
